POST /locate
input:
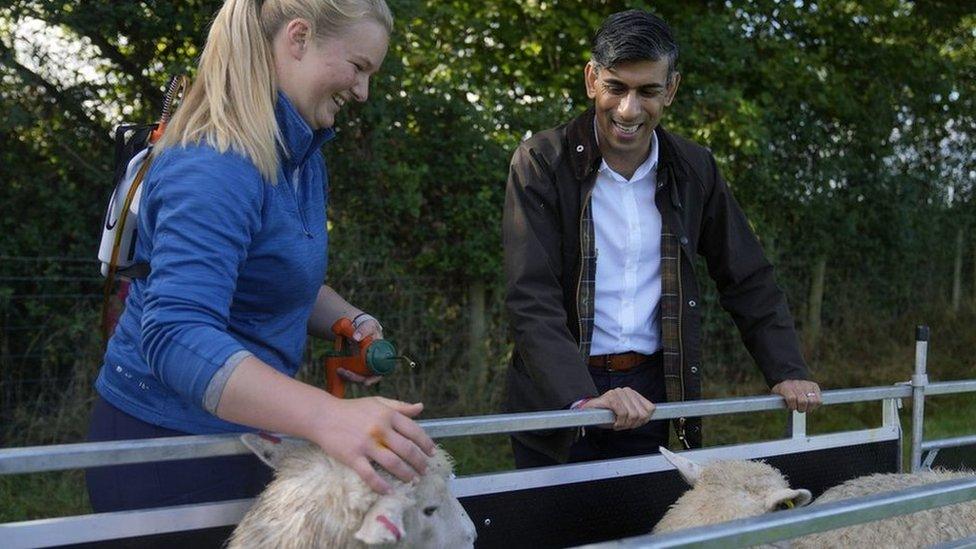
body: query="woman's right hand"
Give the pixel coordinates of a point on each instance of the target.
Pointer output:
(360, 431)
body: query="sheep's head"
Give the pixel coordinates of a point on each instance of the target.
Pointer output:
(727, 490)
(426, 510)
(327, 505)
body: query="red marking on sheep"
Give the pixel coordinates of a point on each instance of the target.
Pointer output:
(390, 526)
(270, 438)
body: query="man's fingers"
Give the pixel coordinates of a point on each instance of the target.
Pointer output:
(815, 401)
(628, 406)
(801, 400)
(634, 413)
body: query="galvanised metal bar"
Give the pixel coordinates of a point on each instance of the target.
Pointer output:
(92, 454)
(33, 459)
(951, 387)
(966, 543)
(150, 522)
(919, 380)
(948, 442)
(104, 527)
(815, 518)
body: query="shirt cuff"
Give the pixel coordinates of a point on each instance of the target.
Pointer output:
(211, 397)
(579, 403)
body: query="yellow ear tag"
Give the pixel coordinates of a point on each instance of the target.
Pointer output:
(789, 504)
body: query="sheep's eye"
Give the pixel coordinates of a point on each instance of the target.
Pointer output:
(784, 505)
(430, 510)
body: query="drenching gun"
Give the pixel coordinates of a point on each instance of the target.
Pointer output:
(368, 357)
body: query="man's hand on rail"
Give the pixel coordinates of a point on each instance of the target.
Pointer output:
(800, 395)
(630, 407)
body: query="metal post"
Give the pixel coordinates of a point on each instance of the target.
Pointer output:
(890, 418)
(798, 425)
(919, 381)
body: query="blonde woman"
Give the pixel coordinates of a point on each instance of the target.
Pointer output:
(233, 226)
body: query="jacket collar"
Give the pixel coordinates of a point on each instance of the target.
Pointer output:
(298, 141)
(585, 154)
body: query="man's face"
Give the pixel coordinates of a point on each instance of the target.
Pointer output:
(630, 99)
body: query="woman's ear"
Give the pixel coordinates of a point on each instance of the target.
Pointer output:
(297, 36)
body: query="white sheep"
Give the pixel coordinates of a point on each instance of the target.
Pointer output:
(728, 490)
(314, 501)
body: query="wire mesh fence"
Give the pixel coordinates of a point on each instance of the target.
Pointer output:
(50, 342)
(50, 312)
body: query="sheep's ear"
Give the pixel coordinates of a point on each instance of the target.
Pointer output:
(689, 470)
(268, 448)
(383, 522)
(787, 498)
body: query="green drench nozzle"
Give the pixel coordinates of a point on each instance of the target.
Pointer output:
(381, 357)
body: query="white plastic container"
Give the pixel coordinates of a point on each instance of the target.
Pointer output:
(113, 215)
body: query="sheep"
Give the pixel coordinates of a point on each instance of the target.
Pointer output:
(314, 501)
(728, 490)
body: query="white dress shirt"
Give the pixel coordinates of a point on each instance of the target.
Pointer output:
(627, 224)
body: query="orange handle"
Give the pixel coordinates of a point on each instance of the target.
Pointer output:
(356, 362)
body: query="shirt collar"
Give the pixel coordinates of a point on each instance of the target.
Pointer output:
(650, 163)
(299, 142)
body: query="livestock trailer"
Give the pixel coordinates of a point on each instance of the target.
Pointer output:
(561, 506)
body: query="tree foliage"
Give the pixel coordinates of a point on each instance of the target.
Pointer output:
(845, 127)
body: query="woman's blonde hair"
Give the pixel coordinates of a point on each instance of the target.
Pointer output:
(230, 105)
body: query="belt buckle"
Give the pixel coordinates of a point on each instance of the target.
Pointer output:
(608, 365)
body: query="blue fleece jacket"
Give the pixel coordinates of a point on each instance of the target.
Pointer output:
(236, 264)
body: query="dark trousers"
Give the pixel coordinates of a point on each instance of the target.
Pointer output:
(164, 483)
(599, 443)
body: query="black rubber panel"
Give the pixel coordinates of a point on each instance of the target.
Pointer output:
(208, 538)
(610, 509)
(600, 510)
(959, 458)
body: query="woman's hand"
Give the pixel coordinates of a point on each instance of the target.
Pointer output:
(363, 431)
(356, 432)
(367, 326)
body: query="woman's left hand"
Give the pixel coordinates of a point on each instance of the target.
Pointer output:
(369, 327)
(356, 378)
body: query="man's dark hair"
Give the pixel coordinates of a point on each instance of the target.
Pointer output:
(634, 35)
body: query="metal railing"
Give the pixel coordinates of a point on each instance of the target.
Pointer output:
(35, 459)
(790, 524)
(71, 456)
(747, 531)
(782, 525)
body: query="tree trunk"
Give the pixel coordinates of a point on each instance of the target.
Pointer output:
(811, 331)
(957, 273)
(477, 359)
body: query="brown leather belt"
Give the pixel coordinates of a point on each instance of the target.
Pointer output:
(620, 362)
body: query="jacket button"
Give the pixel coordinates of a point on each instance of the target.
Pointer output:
(692, 303)
(684, 240)
(694, 369)
(579, 148)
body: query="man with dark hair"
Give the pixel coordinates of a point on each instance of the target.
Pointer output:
(603, 218)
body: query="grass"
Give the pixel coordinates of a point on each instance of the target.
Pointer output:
(865, 354)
